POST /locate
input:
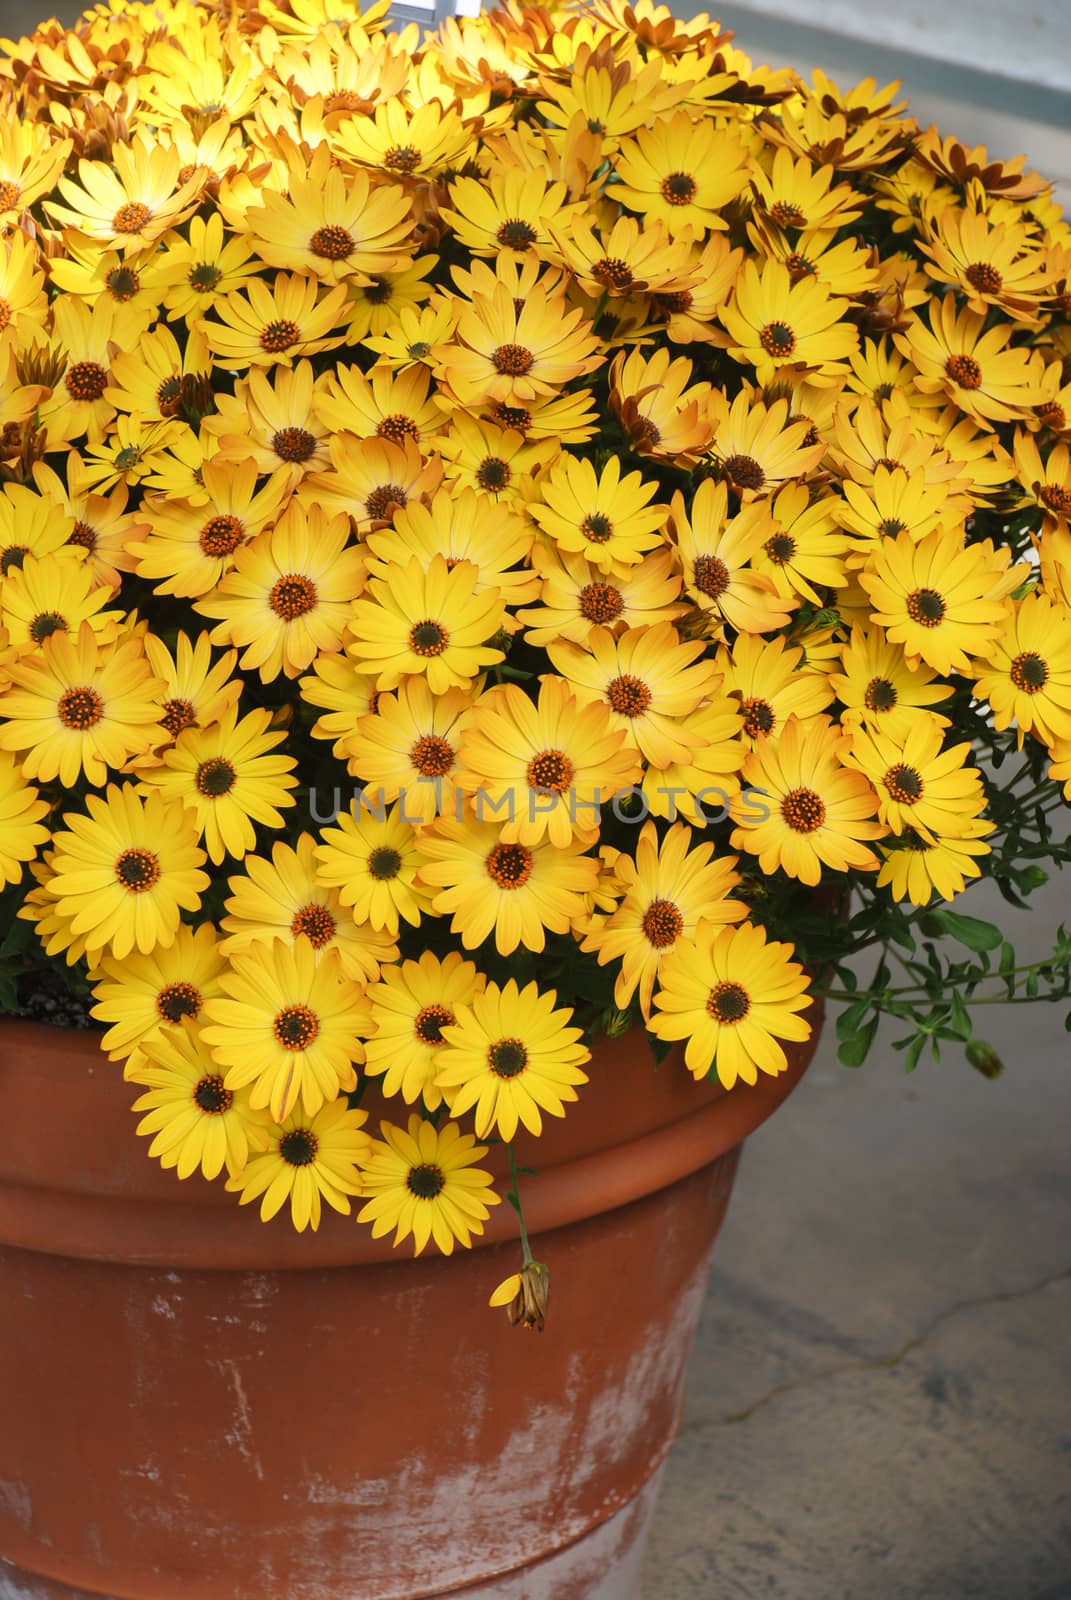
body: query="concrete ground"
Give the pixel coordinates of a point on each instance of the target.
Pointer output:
(879, 1399)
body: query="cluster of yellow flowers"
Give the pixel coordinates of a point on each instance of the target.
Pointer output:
(602, 453)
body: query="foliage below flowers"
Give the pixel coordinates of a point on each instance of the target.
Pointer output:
(500, 532)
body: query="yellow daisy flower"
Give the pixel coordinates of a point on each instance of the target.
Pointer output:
(991, 264)
(766, 676)
(390, 314)
(897, 502)
(193, 271)
(30, 525)
(21, 810)
(407, 143)
(517, 892)
(287, 1024)
(733, 996)
(22, 286)
(1027, 677)
(461, 527)
(102, 525)
(1047, 481)
(128, 202)
(226, 775)
(551, 764)
(271, 422)
(77, 706)
(31, 159)
(878, 689)
(682, 173)
(409, 748)
(714, 551)
(262, 326)
(510, 210)
(576, 596)
(515, 354)
(309, 1160)
(915, 869)
(776, 324)
(939, 599)
(816, 813)
(345, 692)
(123, 875)
(650, 679)
(805, 551)
(919, 784)
(394, 406)
(284, 899)
(496, 461)
(143, 997)
(53, 594)
(795, 195)
(701, 787)
(130, 452)
(407, 1011)
(191, 546)
(760, 447)
(662, 412)
(330, 225)
(511, 1057)
(957, 356)
(372, 859)
(607, 518)
(425, 1185)
(289, 595)
(668, 890)
(195, 1123)
(425, 619)
(196, 692)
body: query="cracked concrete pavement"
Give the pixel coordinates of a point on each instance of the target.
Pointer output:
(879, 1399)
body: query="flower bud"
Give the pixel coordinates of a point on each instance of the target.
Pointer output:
(984, 1059)
(525, 1295)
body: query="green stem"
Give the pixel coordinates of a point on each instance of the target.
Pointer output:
(514, 1198)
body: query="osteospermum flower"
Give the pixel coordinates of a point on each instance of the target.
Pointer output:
(759, 447)
(371, 858)
(765, 676)
(230, 776)
(733, 996)
(607, 518)
(205, 266)
(494, 886)
(958, 355)
(287, 1025)
(466, 527)
(21, 810)
(194, 1120)
(1027, 678)
(552, 763)
(578, 596)
(681, 173)
(803, 810)
(288, 597)
(196, 691)
(714, 551)
(916, 869)
(128, 203)
(407, 1011)
(668, 890)
(939, 599)
(284, 899)
(425, 1184)
(878, 689)
(43, 597)
(309, 1161)
(510, 1057)
(776, 324)
(260, 326)
(146, 996)
(806, 549)
(123, 875)
(409, 748)
(515, 355)
(920, 785)
(427, 620)
(80, 707)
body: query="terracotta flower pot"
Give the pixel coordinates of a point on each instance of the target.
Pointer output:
(197, 1404)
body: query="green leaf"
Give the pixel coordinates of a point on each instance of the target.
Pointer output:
(959, 1018)
(850, 1018)
(970, 931)
(854, 1051)
(914, 1050)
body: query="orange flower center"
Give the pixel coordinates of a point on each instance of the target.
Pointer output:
(710, 576)
(880, 695)
(1029, 672)
(551, 770)
(178, 1000)
(215, 778)
(1057, 499)
(80, 708)
(178, 714)
(278, 336)
(428, 638)
(678, 188)
(597, 529)
(432, 756)
(384, 501)
(293, 444)
(315, 922)
(1053, 415)
(745, 472)
(926, 607)
(331, 243)
(662, 924)
(613, 272)
(429, 1022)
(904, 784)
(965, 371)
(137, 869)
(211, 1097)
(83, 536)
(600, 602)
(803, 810)
(986, 279)
(778, 340)
(494, 474)
(728, 1003)
(9, 194)
(512, 417)
(759, 718)
(402, 158)
(131, 218)
(221, 535)
(512, 360)
(515, 234)
(86, 380)
(629, 696)
(295, 1027)
(397, 427)
(293, 596)
(509, 865)
(788, 215)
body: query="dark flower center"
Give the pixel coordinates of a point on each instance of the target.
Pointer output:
(295, 1027)
(212, 1097)
(710, 576)
(429, 1022)
(428, 638)
(86, 380)
(745, 472)
(880, 695)
(384, 863)
(662, 924)
(398, 427)
(426, 1182)
(965, 371)
(316, 923)
(509, 865)
(926, 607)
(780, 547)
(904, 784)
(122, 283)
(215, 777)
(788, 215)
(552, 770)
(331, 243)
(178, 714)
(278, 336)
(298, 1147)
(596, 528)
(515, 234)
(178, 1000)
(512, 360)
(986, 279)
(293, 444)
(384, 501)
(803, 810)
(80, 708)
(221, 536)
(777, 339)
(678, 188)
(759, 718)
(728, 1002)
(45, 624)
(613, 272)
(600, 602)
(1029, 672)
(137, 869)
(507, 1058)
(131, 218)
